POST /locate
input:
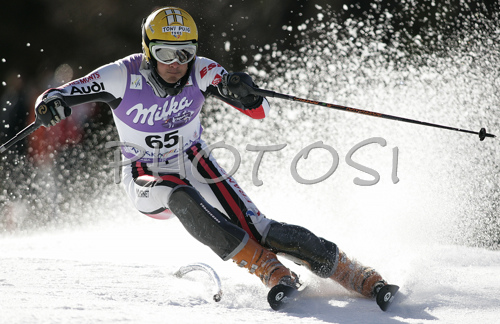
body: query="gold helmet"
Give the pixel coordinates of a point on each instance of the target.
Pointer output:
(169, 25)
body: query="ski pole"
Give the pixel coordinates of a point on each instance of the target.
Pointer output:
(22, 134)
(268, 93)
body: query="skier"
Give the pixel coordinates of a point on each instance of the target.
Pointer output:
(156, 98)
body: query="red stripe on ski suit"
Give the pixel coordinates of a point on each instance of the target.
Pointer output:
(227, 196)
(167, 177)
(140, 170)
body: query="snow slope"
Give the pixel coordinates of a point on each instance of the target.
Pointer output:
(415, 232)
(124, 273)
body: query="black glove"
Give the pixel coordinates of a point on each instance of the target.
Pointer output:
(239, 86)
(52, 110)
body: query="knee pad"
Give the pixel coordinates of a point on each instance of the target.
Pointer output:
(320, 255)
(205, 223)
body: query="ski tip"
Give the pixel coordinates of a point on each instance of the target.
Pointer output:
(385, 296)
(280, 295)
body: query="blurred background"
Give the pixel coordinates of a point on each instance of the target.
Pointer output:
(307, 47)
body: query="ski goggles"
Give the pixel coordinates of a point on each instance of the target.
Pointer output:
(168, 54)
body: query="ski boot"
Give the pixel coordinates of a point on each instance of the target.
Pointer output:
(354, 276)
(265, 265)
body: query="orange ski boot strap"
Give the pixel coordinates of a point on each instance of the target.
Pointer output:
(355, 277)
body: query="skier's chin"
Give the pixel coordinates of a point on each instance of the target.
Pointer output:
(172, 77)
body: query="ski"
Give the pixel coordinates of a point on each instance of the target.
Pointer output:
(385, 296)
(280, 296)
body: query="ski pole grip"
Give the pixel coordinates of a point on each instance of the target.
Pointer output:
(269, 93)
(235, 79)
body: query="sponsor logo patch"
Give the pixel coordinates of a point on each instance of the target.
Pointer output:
(94, 87)
(42, 109)
(94, 76)
(142, 193)
(205, 70)
(155, 113)
(217, 80)
(176, 31)
(135, 82)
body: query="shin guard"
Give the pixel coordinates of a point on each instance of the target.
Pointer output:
(206, 223)
(303, 247)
